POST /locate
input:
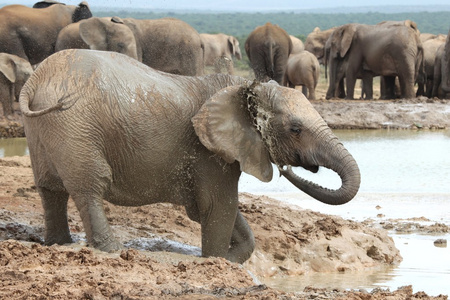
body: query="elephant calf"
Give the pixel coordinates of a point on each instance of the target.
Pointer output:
(101, 125)
(303, 69)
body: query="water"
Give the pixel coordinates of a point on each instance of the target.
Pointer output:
(406, 173)
(13, 147)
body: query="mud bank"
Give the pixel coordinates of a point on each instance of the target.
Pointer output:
(162, 259)
(417, 113)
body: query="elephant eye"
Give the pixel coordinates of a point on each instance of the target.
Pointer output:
(296, 130)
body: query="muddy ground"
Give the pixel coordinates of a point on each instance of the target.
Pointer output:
(161, 255)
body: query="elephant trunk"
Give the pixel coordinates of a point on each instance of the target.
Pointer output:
(340, 161)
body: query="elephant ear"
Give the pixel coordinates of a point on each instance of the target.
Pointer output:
(8, 68)
(224, 126)
(343, 38)
(93, 33)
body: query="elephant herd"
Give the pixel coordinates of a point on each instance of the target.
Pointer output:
(29, 35)
(393, 50)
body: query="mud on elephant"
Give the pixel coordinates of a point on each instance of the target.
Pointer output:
(104, 126)
(31, 33)
(268, 48)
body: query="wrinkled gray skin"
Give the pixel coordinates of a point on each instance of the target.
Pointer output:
(430, 48)
(220, 49)
(441, 83)
(14, 71)
(31, 33)
(297, 45)
(303, 69)
(106, 34)
(268, 48)
(169, 45)
(101, 125)
(386, 50)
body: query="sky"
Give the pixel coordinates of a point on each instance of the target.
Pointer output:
(242, 5)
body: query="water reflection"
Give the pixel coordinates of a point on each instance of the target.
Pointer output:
(13, 147)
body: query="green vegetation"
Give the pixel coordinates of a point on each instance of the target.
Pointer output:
(298, 24)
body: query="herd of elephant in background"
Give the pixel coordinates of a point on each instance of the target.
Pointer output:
(394, 50)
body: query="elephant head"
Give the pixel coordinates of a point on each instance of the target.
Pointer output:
(261, 124)
(16, 71)
(108, 34)
(335, 56)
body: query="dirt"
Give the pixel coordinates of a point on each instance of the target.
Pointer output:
(161, 254)
(162, 246)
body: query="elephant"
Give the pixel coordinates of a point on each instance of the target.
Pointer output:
(430, 48)
(372, 50)
(297, 45)
(14, 71)
(303, 69)
(220, 47)
(268, 48)
(102, 125)
(166, 44)
(106, 34)
(441, 82)
(31, 33)
(315, 42)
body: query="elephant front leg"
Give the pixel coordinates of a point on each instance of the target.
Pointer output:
(217, 227)
(242, 241)
(98, 231)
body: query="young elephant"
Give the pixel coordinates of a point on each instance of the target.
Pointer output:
(14, 71)
(101, 125)
(303, 69)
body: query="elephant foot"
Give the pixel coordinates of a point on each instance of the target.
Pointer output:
(62, 240)
(107, 243)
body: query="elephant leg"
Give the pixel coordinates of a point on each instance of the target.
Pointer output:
(367, 87)
(407, 86)
(305, 91)
(230, 65)
(87, 191)
(350, 81)
(217, 204)
(340, 91)
(242, 241)
(387, 87)
(55, 216)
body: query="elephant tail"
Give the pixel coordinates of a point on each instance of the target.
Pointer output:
(270, 71)
(26, 94)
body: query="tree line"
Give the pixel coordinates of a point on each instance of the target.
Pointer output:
(297, 24)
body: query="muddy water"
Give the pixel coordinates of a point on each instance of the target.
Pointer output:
(404, 174)
(13, 147)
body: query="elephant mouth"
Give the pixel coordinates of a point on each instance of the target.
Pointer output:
(313, 169)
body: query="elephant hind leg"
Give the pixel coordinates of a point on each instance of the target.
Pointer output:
(242, 241)
(55, 214)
